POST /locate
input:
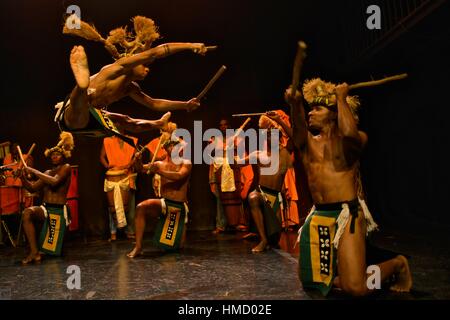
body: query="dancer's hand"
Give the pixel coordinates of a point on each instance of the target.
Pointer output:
(341, 90)
(28, 170)
(192, 104)
(273, 115)
(290, 98)
(151, 168)
(138, 155)
(17, 173)
(199, 48)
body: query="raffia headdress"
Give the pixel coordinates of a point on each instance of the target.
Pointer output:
(319, 92)
(64, 146)
(120, 43)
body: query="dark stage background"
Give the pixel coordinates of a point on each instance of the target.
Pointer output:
(404, 167)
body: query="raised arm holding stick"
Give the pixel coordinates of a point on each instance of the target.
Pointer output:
(331, 147)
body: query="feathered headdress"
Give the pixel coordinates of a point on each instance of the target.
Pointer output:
(319, 92)
(120, 43)
(64, 146)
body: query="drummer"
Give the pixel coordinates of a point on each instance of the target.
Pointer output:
(229, 209)
(11, 196)
(120, 182)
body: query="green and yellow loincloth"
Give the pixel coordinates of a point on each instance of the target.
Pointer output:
(170, 226)
(272, 223)
(319, 241)
(99, 126)
(54, 228)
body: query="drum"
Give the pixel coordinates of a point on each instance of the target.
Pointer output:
(72, 199)
(10, 199)
(5, 149)
(231, 201)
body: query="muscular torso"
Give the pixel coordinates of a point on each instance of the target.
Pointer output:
(331, 178)
(57, 194)
(109, 85)
(171, 189)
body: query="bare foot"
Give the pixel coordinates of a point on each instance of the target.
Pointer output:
(261, 247)
(135, 253)
(403, 280)
(162, 123)
(113, 237)
(218, 230)
(32, 257)
(80, 68)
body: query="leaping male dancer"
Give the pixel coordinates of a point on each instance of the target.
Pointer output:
(82, 112)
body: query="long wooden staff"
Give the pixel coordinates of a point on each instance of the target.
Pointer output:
(248, 114)
(377, 82)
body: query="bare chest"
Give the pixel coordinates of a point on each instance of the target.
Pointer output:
(325, 153)
(103, 93)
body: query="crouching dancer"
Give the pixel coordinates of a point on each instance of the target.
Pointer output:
(333, 238)
(171, 210)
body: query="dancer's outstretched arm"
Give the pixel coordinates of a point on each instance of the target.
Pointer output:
(161, 51)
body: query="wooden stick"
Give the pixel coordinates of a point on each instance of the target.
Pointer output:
(377, 82)
(241, 127)
(157, 149)
(298, 63)
(238, 131)
(162, 139)
(9, 165)
(211, 82)
(30, 151)
(21, 157)
(248, 114)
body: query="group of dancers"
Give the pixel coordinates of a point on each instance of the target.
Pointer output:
(332, 239)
